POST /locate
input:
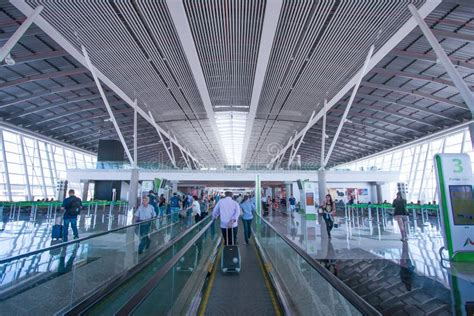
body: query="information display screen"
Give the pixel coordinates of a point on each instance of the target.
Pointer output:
(462, 204)
(309, 198)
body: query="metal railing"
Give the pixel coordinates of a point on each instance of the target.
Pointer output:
(101, 293)
(358, 302)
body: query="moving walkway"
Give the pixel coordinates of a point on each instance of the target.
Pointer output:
(184, 277)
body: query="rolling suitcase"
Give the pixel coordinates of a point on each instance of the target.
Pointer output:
(57, 230)
(230, 260)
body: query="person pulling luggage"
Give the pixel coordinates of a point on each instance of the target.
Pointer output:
(144, 212)
(71, 207)
(229, 211)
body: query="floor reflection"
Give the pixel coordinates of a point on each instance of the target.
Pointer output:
(396, 277)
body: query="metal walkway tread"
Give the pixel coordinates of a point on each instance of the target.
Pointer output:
(241, 294)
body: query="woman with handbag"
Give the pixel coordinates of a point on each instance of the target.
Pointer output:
(329, 210)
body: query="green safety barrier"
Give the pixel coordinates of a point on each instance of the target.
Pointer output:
(58, 203)
(389, 206)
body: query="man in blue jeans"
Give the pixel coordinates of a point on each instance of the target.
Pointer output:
(71, 206)
(175, 205)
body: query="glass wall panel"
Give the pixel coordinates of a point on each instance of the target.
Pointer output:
(415, 163)
(37, 165)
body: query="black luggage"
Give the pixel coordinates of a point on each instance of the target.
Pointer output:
(230, 260)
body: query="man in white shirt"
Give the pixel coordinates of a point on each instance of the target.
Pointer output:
(144, 212)
(229, 211)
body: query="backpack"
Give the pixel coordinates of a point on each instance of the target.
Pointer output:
(74, 207)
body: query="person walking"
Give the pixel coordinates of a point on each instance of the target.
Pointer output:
(175, 206)
(247, 209)
(292, 201)
(144, 212)
(195, 209)
(162, 205)
(400, 212)
(229, 212)
(329, 210)
(71, 207)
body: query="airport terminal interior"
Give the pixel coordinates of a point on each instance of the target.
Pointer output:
(236, 157)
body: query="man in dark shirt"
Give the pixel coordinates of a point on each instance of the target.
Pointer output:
(71, 207)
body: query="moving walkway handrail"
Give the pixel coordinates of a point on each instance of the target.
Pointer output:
(103, 291)
(358, 302)
(141, 295)
(75, 241)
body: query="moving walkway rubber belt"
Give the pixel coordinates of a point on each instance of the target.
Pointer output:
(358, 302)
(115, 283)
(130, 306)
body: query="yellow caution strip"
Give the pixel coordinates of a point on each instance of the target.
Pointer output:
(207, 294)
(266, 268)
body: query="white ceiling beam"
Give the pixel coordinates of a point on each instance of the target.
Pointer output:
(306, 129)
(173, 162)
(5, 50)
(46, 27)
(444, 60)
(348, 107)
(107, 106)
(270, 24)
(402, 32)
(181, 23)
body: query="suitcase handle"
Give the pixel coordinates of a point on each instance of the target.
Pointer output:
(227, 235)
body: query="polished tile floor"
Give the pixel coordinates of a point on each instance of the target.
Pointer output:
(370, 257)
(22, 234)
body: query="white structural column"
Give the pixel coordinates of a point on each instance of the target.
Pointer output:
(135, 136)
(5, 168)
(404, 30)
(5, 50)
(269, 27)
(49, 159)
(323, 134)
(46, 27)
(348, 107)
(171, 157)
(43, 181)
(295, 149)
(107, 105)
(425, 163)
(25, 166)
(181, 23)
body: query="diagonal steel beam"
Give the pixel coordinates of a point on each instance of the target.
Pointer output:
(46, 27)
(402, 32)
(348, 107)
(7, 47)
(444, 60)
(163, 141)
(293, 153)
(107, 105)
(270, 24)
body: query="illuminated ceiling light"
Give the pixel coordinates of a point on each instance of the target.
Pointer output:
(231, 126)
